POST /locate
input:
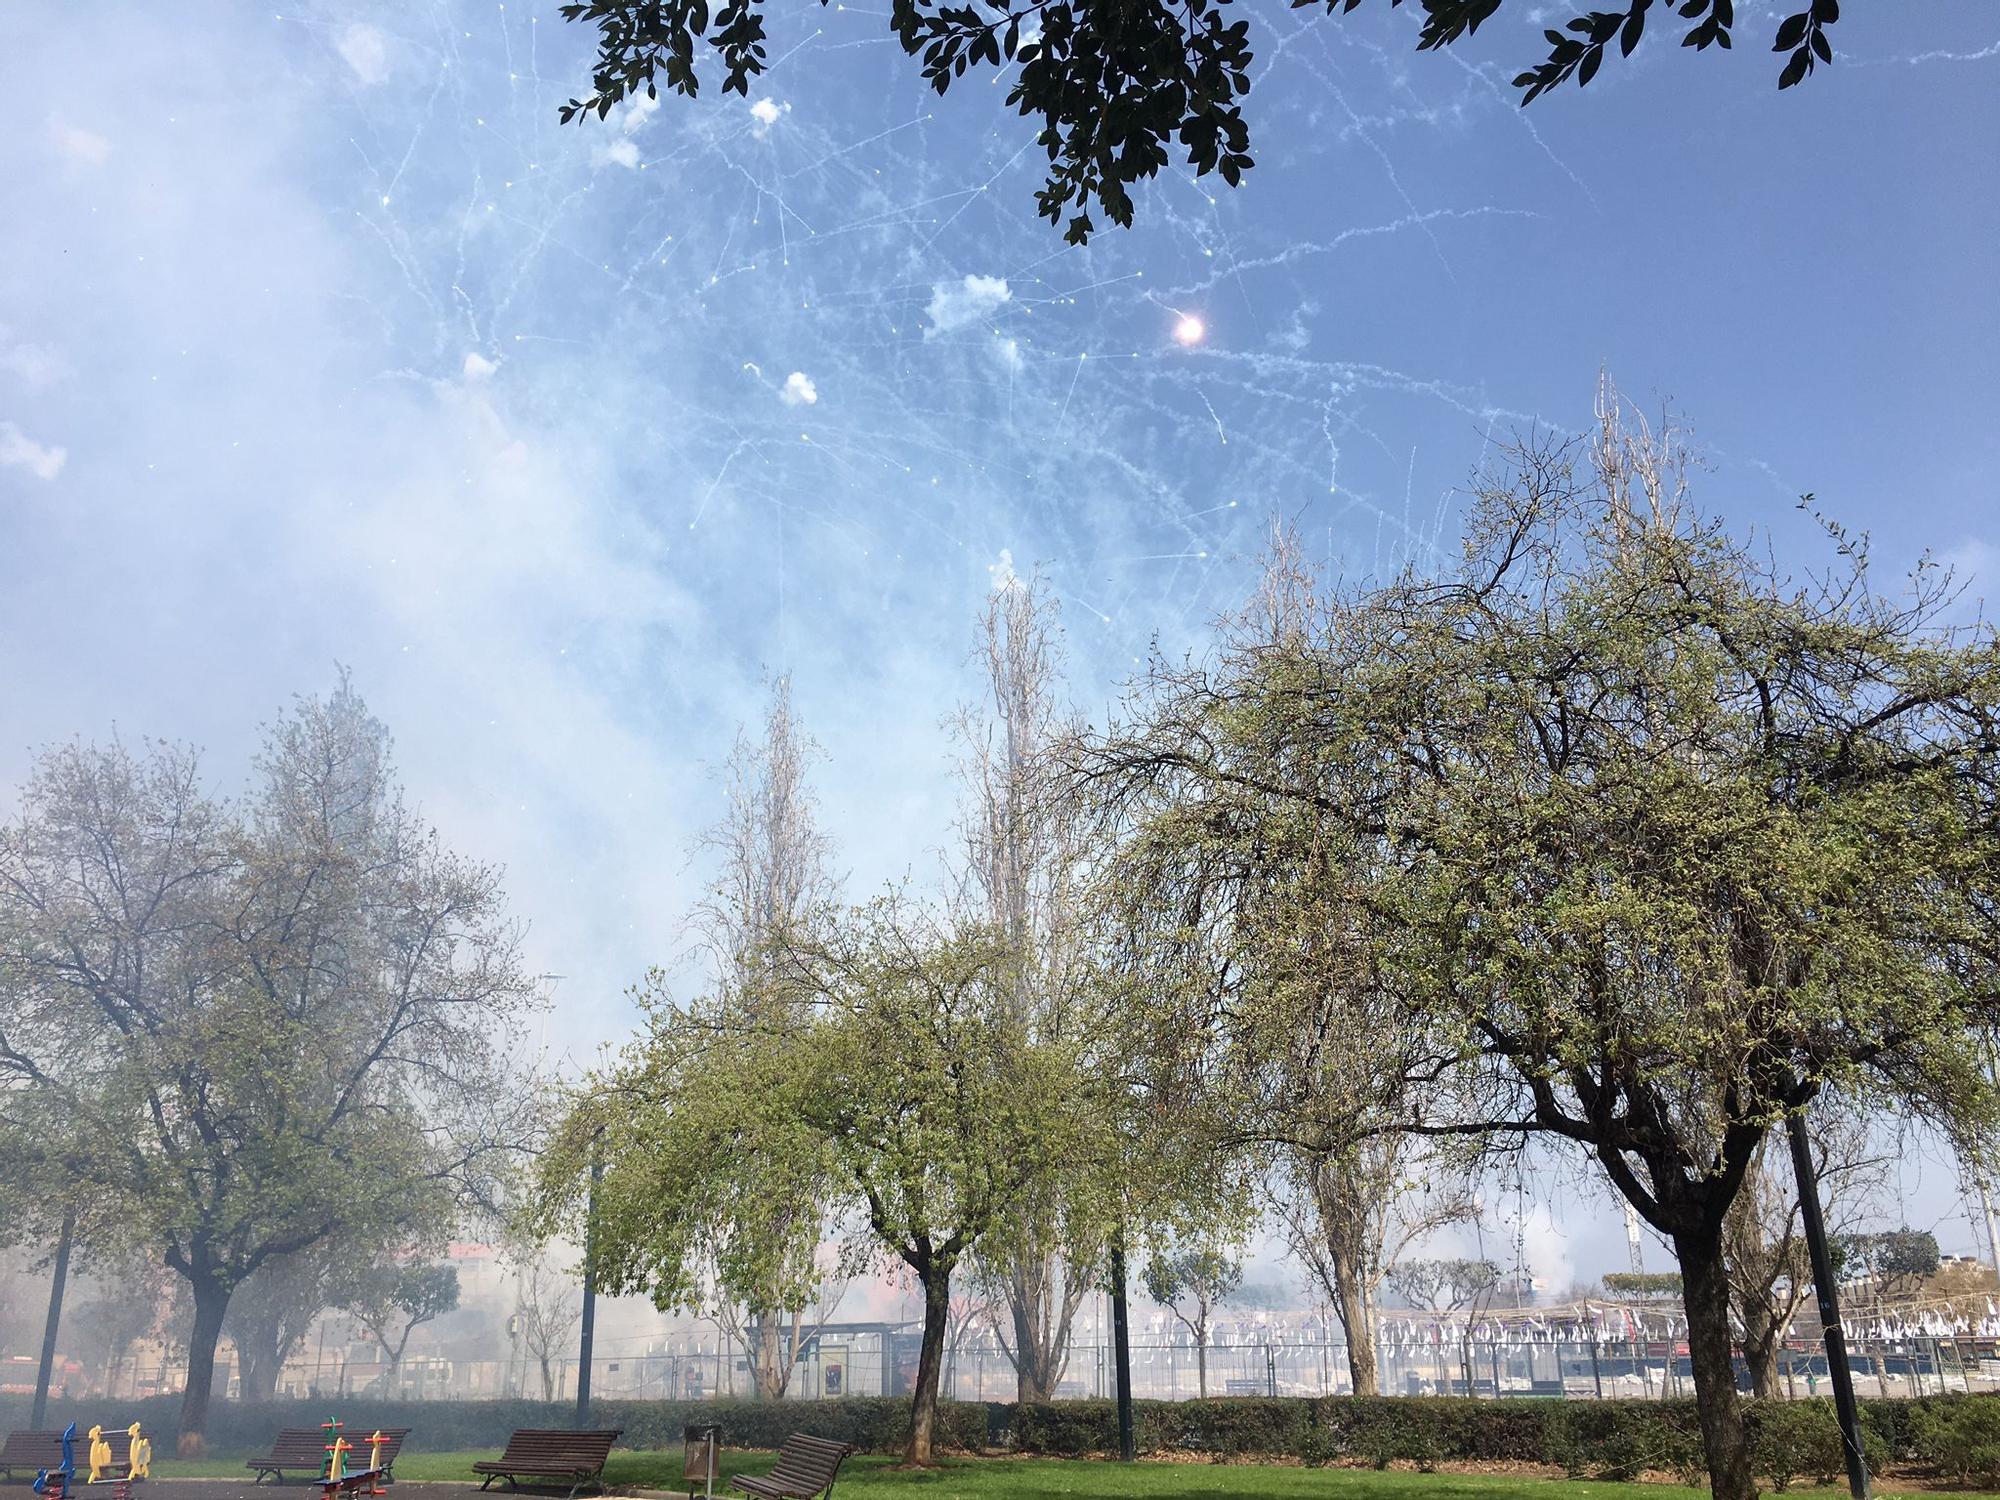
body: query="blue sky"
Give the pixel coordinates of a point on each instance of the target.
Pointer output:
(321, 341)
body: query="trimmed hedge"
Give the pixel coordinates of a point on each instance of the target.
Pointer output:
(1957, 1436)
(874, 1424)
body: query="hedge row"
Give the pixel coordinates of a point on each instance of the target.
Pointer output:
(874, 1424)
(1958, 1436)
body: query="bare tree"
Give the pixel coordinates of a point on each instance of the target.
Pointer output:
(774, 872)
(1770, 1274)
(1349, 1214)
(547, 1310)
(1024, 849)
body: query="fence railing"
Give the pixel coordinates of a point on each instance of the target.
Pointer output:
(1911, 1366)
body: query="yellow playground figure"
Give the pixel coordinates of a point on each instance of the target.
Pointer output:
(100, 1455)
(138, 1454)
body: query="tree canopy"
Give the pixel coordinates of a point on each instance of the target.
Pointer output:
(1648, 843)
(261, 1023)
(1115, 85)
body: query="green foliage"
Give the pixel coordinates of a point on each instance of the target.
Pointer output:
(1801, 1439)
(1643, 1283)
(1649, 843)
(1960, 1436)
(1113, 86)
(249, 1027)
(1897, 1260)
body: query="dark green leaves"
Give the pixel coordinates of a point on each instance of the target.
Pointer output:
(1112, 84)
(1804, 36)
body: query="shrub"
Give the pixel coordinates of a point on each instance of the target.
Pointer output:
(1959, 1436)
(1791, 1439)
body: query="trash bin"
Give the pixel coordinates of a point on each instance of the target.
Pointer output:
(701, 1453)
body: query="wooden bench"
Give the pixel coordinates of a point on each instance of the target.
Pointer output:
(551, 1454)
(304, 1449)
(292, 1448)
(806, 1467)
(30, 1452)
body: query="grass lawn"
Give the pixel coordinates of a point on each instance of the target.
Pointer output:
(871, 1478)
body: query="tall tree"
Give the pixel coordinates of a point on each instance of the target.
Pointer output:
(1024, 858)
(1116, 86)
(279, 997)
(1650, 843)
(774, 875)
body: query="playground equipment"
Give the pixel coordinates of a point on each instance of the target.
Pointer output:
(335, 1480)
(138, 1454)
(53, 1484)
(100, 1455)
(337, 1449)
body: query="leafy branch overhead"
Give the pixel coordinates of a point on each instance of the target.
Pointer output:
(1115, 83)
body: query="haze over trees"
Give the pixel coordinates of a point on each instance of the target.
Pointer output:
(263, 1022)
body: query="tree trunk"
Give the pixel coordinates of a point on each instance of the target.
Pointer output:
(1357, 1318)
(1028, 1291)
(1760, 1348)
(1201, 1364)
(258, 1369)
(770, 1366)
(1705, 1296)
(936, 1282)
(211, 1301)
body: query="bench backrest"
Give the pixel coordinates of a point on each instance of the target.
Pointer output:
(42, 1450)
(296, 1447)
(552, 1445)
(392, 1444)
(808, 1463)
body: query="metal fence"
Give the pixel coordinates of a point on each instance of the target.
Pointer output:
(1177, 1371)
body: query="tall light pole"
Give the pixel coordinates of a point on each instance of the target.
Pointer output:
(589, 1335)
(1122, 1347)
(57, 1281)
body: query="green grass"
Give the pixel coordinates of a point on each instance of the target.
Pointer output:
(874, 1478)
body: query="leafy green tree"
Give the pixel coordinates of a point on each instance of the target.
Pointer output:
(1191, 1283)
(274, 1308)
(1895, 1262)
(264, 1022)
(395, 1300)
(1115, 85)
(1650, 842)
(888, 1084)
